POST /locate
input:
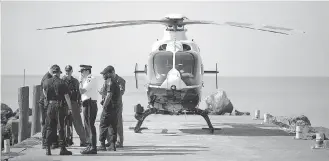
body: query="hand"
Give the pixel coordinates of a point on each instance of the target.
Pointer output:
(69, 112)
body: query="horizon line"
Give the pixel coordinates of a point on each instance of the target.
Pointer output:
(203, 76)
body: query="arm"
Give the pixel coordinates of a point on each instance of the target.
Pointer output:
(107, 99)
(68, 100)
(123, 87)
(44, 92)
(64, 89)
(88, 85)
(108, 96)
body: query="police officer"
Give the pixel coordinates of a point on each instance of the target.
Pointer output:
(119, 144)
(75, 96)
(111, 104)
(56, 91)
(88, 90)
(43, 108)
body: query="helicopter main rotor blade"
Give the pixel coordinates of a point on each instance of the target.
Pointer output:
(117, 25)
(267, 28)
(100, 23)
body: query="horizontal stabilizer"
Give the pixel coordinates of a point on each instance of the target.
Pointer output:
(210, 72)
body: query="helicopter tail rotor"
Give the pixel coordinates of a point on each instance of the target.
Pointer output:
(139, 71)
(213, 72)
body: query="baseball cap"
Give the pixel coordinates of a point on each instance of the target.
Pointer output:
(85, 67)
(68, 68)
(56, 69)
(108, 69)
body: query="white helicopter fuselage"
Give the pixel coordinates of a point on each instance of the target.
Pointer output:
(179, 85)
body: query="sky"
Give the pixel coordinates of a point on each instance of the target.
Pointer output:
(238, 52)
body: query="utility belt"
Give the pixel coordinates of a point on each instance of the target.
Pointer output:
(88, 101)
(60, 103)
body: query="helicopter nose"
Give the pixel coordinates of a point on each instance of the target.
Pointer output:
(173, 81)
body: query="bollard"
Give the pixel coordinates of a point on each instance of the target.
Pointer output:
(319, 140)
(23, 102)
(299, 133)
(266, 117)
(326, 144)
(36, 124)
(257, 114)
(7, 145)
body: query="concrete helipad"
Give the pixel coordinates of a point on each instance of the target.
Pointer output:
(241, 138)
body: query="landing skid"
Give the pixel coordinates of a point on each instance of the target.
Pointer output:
(140, 117)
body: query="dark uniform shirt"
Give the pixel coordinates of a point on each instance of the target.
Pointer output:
(114, 89)
(55, 89)
(73, 86)
(44, 78)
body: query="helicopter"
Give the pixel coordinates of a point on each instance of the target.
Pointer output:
(175, 69)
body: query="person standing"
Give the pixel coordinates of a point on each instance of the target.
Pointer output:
(111, 104)
(43, 108)
(119, 143)
(88, 90)
(75, 96)
(56, 91)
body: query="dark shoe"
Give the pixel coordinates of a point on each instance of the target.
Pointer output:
(48, 151)
(64, 151)
(83, 144)
(107, 144)
(112, 148)
(102, 147)
(89, 150)
(119, 146)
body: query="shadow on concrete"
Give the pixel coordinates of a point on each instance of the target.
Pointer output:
(9, 155)
(239, 130)
(152, 150)
(117, 153)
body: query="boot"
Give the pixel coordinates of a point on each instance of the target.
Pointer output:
(102, 147)
(118, 145)
(64, 151)
(48, 151)
(89, 150)
(83, 144)
(112, 147)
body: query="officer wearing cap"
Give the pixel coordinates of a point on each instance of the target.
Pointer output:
(75, 96)
(88, 90)
(56, 91)
(111, 104)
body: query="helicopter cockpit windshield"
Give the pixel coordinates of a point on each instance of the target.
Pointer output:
(162, 64)
(185, 62)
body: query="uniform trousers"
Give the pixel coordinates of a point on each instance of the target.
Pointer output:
(90, 112)
(55, 117)
(108, 124)
(119, 127)
(77, 122)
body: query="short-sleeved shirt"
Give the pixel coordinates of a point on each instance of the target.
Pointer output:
(44, 78)
(55, 89)
(90, 85)
(73, 85)
(114, 89)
